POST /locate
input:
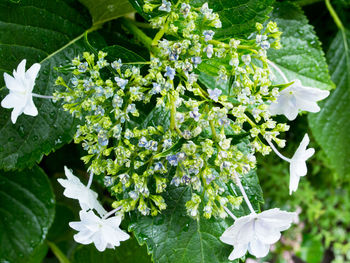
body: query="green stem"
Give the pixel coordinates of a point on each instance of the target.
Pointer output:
(306, 2)
(160, 34)
(334, 15)
(249, 120)
(341, 28)
(212, 127)
(57, 252)
(172, 112)
(142, 37)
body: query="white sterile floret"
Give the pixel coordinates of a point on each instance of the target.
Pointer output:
(256, 232)
(21, 86)
(297, 97)
(104, 233)
(297, 166)
(76, 190)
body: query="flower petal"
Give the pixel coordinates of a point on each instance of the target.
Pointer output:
(239, 251)
(30, 108)
(21, 70)
(277, 219)
(15, 113)
(11, 83)
(99, 241)
(266, 233)
(258, 249)
(84, 237)
(33, 71)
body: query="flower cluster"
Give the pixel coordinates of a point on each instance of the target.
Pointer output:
(203, 136)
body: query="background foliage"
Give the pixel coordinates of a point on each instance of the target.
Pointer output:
(34, 223)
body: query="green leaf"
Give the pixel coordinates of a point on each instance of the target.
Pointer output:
(311, 250)
(118, 52)
(27, 208)
(128, 252)
(173, 237)
(301, 56)
(60, 228)
(39, 253)
(53, 40)
(238, 17)
(331, 125)
(105, 10)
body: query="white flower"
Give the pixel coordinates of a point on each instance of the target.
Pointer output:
(256, 232)
(297, 97)
(297, 166)
(21, 86)
(214, 94)
(76, 190)
(104, 233)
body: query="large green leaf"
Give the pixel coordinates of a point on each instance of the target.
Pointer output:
(301, 56)
(174, 237)
(238, 17)
(106, 10)
(331, 125)
(27, 208)
(53, 40)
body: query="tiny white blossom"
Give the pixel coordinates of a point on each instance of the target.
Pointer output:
(214, 94)
(208, 35)
(297, 166)
(76, 190)
(297, 97)
(256, 232)
(103, 232)
(209, 50)
(21, 86)
(165, 6)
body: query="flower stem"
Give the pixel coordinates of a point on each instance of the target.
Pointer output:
(246, 199)
(341, 28)
(172, 112)
(278, 70)
(334, 15)
(277, 152)
(230, 213)
(142, 37)
(57, 252)
(42, 96)
(111, 212)
(90, 179)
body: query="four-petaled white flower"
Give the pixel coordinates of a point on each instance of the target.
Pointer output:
(256, 232)
(76, 190)
(21, 86)
(297, 97)
(297, 166)
(103, 232)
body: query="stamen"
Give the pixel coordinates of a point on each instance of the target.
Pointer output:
(246, 199)
(230, 213)
(277, 152)
(278, 70)
(42, 96)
